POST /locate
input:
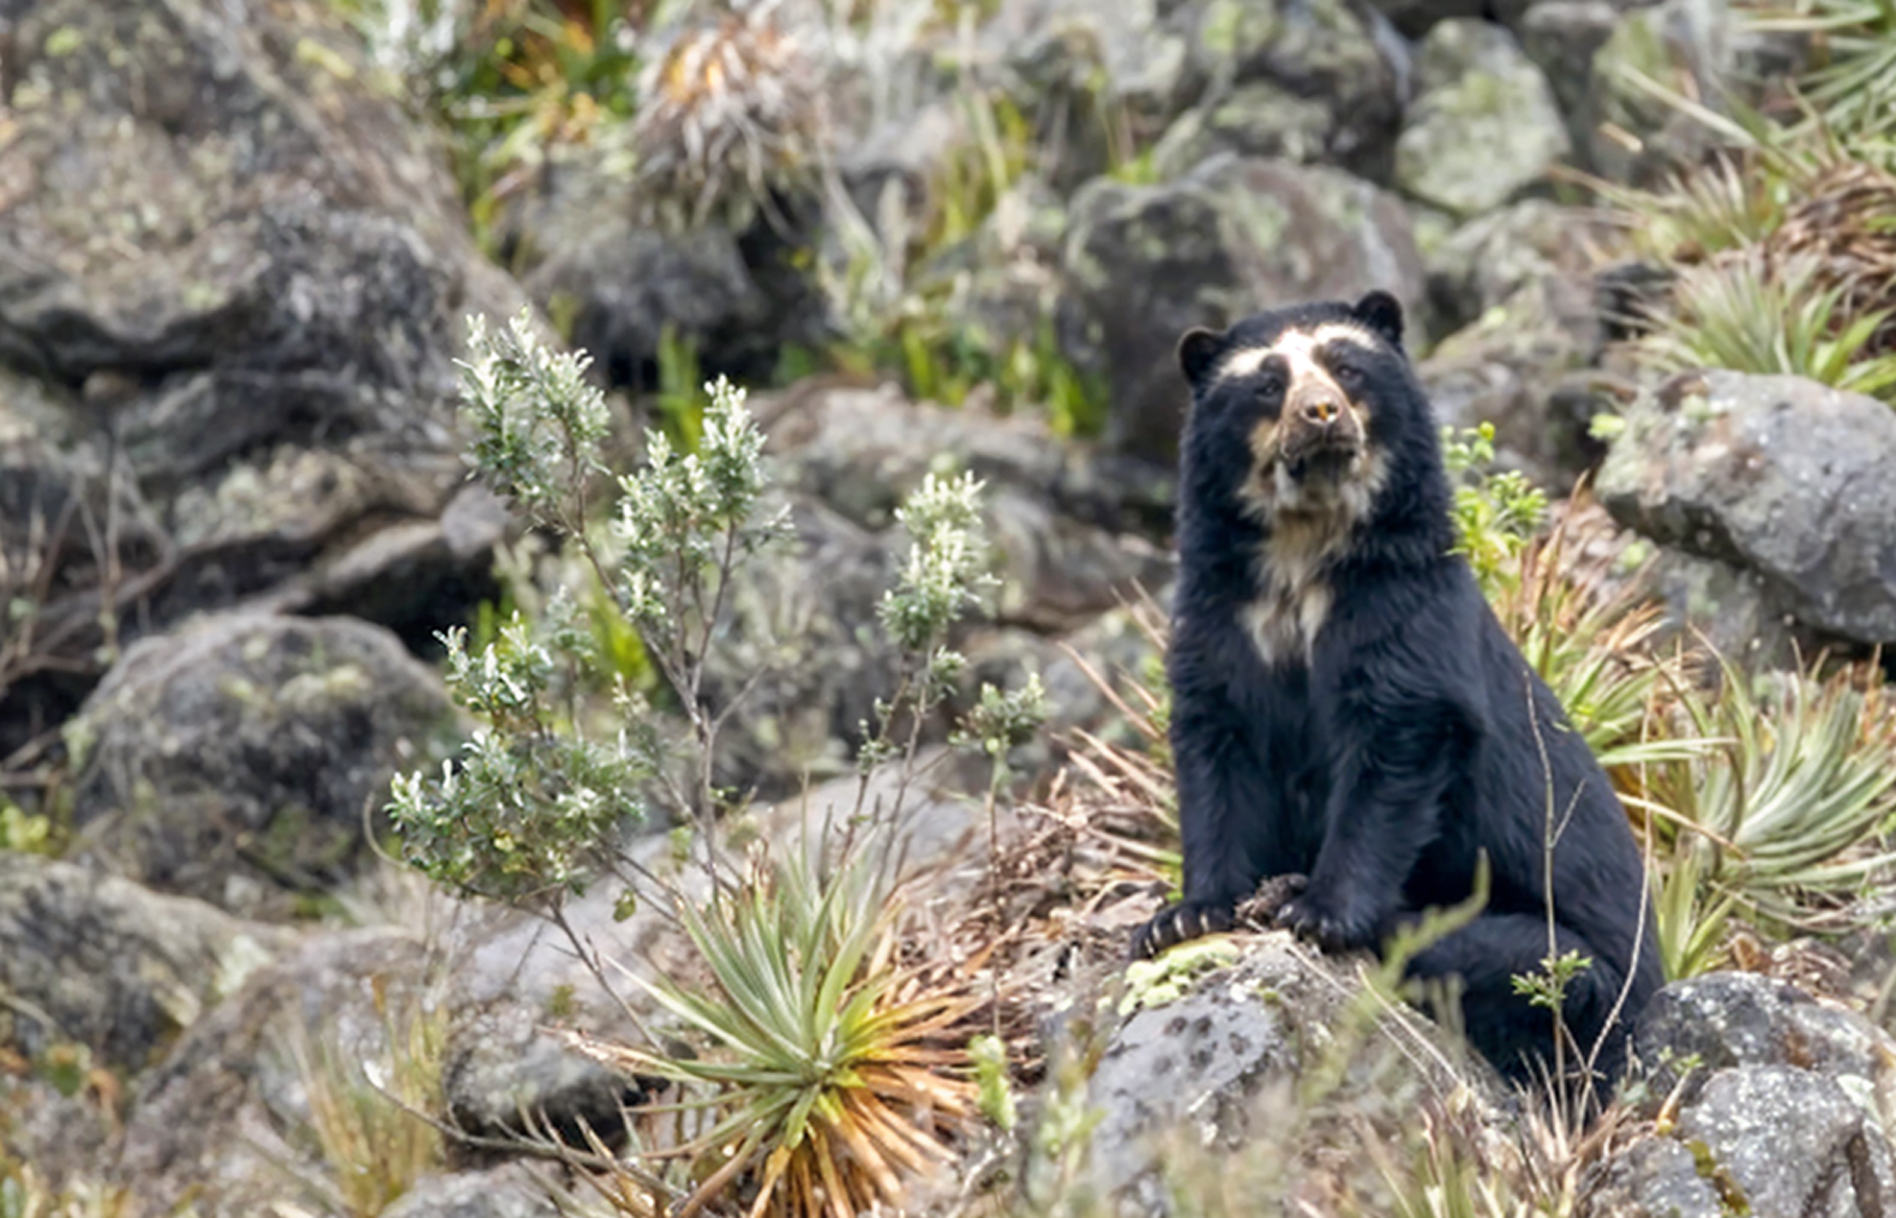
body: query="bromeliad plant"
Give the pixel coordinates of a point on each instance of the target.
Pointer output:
(829, 1070)
(1785, 821)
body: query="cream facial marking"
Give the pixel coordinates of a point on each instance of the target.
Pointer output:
(1298, 349)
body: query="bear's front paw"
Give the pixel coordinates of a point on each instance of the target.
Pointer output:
(1329, 923)
(1177, 923)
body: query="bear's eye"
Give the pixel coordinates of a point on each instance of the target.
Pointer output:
(1349, 377)
(1270, 387)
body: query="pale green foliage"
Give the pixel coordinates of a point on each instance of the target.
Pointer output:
(993, 1096)
(538, 789)
(1729, 203)
(1851, 84)
(516, 815)
(944, 577)
(1495, 511)
(945, 571)
(1006, 719)
(538, 422)
(1784, 821)
(1737, 314)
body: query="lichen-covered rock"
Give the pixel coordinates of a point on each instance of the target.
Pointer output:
(1328, 50)
(237, 269)
(1725, 1020)
(224, 1120)
(95, 963)
(1213, 1037)
(1526, 366)
(1774, 474)
(1256, 119)
(239, 759)
(1484, 125)
(1756, 1140)
(1776, 1104)
(1145, 263)
(626, 287)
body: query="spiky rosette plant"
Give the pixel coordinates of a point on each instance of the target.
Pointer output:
(826, 1072)
(729, 115)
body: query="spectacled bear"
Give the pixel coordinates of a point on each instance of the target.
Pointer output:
(1347, 708)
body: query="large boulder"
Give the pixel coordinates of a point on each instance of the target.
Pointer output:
(1484, 126)
(236, 270)
(1776, 475)
(1259, 1038)
(1145, 263)
(97, 962)
(1773, 1104)
(239, 759)
(1339, 54)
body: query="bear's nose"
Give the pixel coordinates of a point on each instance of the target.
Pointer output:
(1322, 409)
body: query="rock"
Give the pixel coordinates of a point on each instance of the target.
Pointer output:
(1562, 37)
(1758, 1140)
(1145, 263)
(1331, 51)
(1773, 474)
(1257, 119)
(1200, 1061)
(1731, 607)
(239, 759)
(1654, 1178)
(730, 297)
(96, 963)
(1068, 55)
(509, 1191)
(252, 329)
(1481, 264)
(1484, 126)
(225, 1120)
(1526, 366)
(1723, 1021)
(1413, 18)
(1783, 1106)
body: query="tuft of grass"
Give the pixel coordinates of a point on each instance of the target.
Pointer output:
(362, 1112)
(1740, 314)
(1851, 83)
(826, 1071)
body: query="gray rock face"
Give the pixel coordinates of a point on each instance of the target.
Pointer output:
(227, 1111)
(1484, 125)
(1727, 1020)
(236, 267)
(1145, 263)
(1194, 1066)
(1769, 1139)
(1318, 49)
(97, 961)
(234, 761)
(1783, 1106)
(1776, 475)
(505, 1192)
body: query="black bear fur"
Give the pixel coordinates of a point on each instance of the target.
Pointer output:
(1347, 708)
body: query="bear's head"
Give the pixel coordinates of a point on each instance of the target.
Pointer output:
(1303, 416)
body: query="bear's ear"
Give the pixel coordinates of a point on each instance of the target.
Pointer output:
(1198, 351)
(1382, 313)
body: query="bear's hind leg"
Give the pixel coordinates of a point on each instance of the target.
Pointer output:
(1517, 1037)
